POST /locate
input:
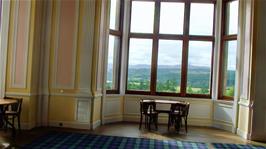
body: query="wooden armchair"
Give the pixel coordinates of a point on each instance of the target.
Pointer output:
(148, 111)
(177, 113)
(13, 111)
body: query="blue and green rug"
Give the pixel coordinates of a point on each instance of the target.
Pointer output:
(66, 140)
(235, 146)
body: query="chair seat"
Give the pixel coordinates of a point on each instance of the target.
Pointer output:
(151, 113)
(11, 113)
(176, 113)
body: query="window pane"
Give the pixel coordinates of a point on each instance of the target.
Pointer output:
(229, 67)
(169, 66)
(201, 19)
(113, 65)
(114, 14)
(171, 18)
(142, 17)
(139, 64)
(231, 17)
(199, 67)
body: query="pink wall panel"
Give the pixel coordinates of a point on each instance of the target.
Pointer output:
(65, 58)
(21, 44)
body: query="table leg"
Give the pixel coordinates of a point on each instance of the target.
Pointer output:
(12, 127)
(177, 123)
(1, 116)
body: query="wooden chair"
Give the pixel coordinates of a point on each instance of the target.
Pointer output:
(13, 111)
(177, 112)
(148, 111)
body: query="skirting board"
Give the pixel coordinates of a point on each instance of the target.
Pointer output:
(112, 119)
(224, 126)
(66, 124)
(242, 133)
(164, 120)
(26, 126)
(96, 124)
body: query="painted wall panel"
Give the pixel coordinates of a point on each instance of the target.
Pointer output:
(113, 106)
(83, 110)
(223, 112)
(21, 15)
(66, 45)
(97, 104)
(62, 108)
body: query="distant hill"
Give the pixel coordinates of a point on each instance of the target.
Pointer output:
(198, 76)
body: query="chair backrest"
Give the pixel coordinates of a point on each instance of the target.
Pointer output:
(186, 109)
(17, 106)
(147, 106)
(183, 108)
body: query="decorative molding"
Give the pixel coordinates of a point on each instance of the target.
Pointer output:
(228, 126)
(77, 95)
(229, 103)
(43, 110)
(83, 109)
(114, 95)
(98, 94)
(4, 36)
(25, 66)
(244, 103)
(96, 124)
(224, 105)
(75, 42)
(70, 124)
(21, 94)
(242, 133)
(112, 119)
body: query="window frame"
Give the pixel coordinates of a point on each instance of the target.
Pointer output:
(224, 38)
(185, 38)
(117, 33)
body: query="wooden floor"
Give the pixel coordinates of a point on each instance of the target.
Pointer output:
(198, 134)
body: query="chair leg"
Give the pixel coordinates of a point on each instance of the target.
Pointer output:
(5, 123)
(169, 121)
(149, 122)
(146, 121)
(156, 122)
(186, 124)
(140, 123)
(19, 128)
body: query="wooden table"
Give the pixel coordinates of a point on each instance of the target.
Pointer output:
(6, 102)
(160, 101)
(170, 102)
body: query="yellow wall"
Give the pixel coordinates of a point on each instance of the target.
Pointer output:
(23, 43)
(97, 108)
(61, 108)
(54, 72)
(243, 119)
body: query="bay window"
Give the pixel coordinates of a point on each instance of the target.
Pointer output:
(114, 46)
(228, 49)
(171, 47)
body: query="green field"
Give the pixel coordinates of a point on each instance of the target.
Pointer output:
(169, 79)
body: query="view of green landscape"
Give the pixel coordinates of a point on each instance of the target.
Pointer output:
(170, 77)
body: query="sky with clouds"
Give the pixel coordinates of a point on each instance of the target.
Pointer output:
(171, 22)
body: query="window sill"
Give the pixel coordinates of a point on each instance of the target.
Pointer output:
(224, 101)
(114, 95)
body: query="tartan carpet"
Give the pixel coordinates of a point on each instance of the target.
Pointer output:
(65, 140)
(236, 146)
